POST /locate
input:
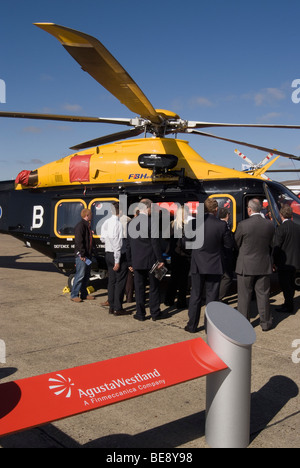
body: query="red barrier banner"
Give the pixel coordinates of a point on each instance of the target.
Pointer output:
(49, 397)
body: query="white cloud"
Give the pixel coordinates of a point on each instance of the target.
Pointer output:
(265, 96)
(199, 101)
(32, 129)
(72, 107)
(268, 96)
(31, 162)
(46, 77)
(271, 116)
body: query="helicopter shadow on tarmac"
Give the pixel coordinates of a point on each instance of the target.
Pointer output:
(17, 262)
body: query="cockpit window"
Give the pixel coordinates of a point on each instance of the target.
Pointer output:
(279, 195)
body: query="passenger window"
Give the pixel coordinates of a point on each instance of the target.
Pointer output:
(67, 214)
(101, 210)
(227, 201)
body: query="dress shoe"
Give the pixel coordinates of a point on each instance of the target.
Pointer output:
(189, 330)
(76, 299)
(122, 312)
(89, 298)
(111, 311)
(268, 329)
(141, 318)
(105, 304)
(160, 316)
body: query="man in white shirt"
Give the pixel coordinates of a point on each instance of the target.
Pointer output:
(115, 256)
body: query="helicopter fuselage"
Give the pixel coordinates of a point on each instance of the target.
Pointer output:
(44, 217)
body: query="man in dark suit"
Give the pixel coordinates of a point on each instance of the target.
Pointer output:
(286, 255)
(206, 263)
(254, 237)
(143, 250)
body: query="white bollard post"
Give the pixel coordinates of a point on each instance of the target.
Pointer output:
(231, 336)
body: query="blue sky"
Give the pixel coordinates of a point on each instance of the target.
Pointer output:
(217, 61)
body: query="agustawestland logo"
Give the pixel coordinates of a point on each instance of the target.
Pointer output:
(118, 388)
(61, 385)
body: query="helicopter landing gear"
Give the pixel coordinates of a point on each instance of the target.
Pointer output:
(95, 275)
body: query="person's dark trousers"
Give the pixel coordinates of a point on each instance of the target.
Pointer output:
(180, 267)
(212, 286)
(140, 282)
(129, 289)
(225, 285)
(116, 281)
(287, 283)
(261, 285)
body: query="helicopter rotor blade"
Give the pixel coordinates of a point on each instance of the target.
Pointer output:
(109, 138)
(262, 148)
(245, 158)
(265, 160)
(66, 118)
(195, 124)
(284, 170)
(96, 60)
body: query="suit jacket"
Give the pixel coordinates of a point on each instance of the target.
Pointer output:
(254, 240)
(143, 247)
(286, 251)
(208, 259)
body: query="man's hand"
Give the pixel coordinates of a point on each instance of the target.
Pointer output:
(116, 267)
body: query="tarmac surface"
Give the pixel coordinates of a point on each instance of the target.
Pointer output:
(45, 332)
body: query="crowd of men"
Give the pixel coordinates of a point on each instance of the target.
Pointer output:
(252, 253)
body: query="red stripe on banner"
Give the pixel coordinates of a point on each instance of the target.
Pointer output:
(49, 397)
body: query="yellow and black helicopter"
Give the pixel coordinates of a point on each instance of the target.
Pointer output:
(166, 170)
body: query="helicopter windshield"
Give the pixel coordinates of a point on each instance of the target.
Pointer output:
(278, 195)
